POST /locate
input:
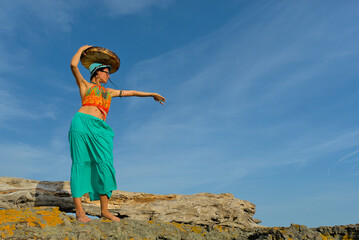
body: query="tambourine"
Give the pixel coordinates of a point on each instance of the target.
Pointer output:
(100, 55)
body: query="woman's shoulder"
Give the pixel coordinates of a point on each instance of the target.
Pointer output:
(110, 90)
(84, 87)
(114, 92)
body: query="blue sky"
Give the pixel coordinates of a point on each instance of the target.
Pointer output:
(262, 98)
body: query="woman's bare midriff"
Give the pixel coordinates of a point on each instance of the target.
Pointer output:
(91, 110)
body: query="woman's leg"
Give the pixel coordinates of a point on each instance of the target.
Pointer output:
(104, 209)
(80, 213)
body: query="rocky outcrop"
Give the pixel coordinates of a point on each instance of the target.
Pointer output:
(202, 209)
(50, 223)
(28, 214)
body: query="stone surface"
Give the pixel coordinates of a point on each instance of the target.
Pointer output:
(198, 209)
(50, 223)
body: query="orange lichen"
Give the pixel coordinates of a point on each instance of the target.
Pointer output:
(326, 237)
(279, 229)
(296, 226)
(40, 218)
(196, 229)
(220, 228)
(106, 220)
(179, 226)
(346, 237)
(52, 218)
(7, 230)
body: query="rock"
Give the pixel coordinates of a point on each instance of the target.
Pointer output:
(296, 231)
(340, 232)
(144, 216)
(204, 209)
(50, 223)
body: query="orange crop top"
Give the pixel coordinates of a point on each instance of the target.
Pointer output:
(98, 96)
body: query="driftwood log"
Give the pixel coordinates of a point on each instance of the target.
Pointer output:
(199, 209)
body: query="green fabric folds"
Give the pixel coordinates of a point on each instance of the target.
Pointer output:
(91, 144)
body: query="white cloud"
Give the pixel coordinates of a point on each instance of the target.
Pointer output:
(126, 7)
(47, 159)
(12, 108)
(29, 161)
(17, 107)
(185, 153)
(231, 95)
(348, 164)
(36, 16)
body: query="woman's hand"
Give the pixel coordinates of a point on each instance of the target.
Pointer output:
(159, 98)
(84, 47)
(76, 58)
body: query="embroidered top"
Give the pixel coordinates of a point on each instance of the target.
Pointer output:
(98, 96)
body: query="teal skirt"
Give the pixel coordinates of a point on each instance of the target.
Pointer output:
(91, 144)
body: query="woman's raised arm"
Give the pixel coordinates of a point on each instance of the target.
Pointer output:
(81, 82)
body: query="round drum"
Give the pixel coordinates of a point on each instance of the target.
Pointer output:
(100, 55)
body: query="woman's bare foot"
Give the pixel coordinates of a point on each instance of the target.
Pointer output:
(82, 217)
(110, 216)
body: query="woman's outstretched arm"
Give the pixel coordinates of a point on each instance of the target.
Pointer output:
(133, 93)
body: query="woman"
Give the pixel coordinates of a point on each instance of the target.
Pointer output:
(91, 138)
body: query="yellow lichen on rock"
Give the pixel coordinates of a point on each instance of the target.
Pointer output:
(105, 220)
(346, 237)
(33, 217)
(52, 218)
(178, 225)
(7, 231)
(326, 237)
(197, 229)
(220, 228)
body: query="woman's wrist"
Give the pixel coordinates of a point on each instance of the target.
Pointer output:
(76, 58)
